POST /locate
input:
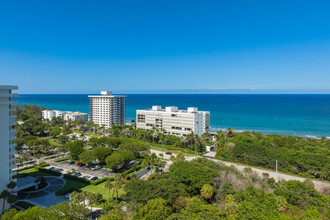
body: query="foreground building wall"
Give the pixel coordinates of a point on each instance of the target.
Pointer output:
(174, 121)
(7, 135)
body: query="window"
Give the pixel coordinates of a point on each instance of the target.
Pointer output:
(141, 118)
(176, 128)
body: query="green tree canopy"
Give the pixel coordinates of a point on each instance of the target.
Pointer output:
(101, 152)
(155, 209)
(119, 158)
(87, 157)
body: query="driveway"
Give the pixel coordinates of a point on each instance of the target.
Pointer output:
(45, 197)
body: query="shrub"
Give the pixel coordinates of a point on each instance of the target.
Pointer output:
(54, 173)
(43, 164)
(61, 160)
(97, 182)
(75, 178)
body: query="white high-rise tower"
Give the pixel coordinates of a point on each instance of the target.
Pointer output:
(107, 109)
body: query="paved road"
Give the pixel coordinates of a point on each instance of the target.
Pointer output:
(45, 197)
(280, 176)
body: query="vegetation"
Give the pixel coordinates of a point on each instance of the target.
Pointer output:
(304, 156)
(197, 189)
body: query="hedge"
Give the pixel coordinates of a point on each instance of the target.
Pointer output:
(43, 164)
(55, 173)
(97, 182)
(75, 178)
(64, 191)
(60, 160)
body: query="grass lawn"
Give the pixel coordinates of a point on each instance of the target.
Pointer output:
(76, 185)
(70, 185)
(172, 151)
(33, 172)
(54, 142)
(24, 205)
(100, 189)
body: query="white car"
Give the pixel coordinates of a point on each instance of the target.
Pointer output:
(96, 168)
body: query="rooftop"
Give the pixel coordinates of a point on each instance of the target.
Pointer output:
(157, 108)
(8, 87)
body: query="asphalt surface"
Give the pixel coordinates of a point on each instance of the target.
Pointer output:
(103, 172)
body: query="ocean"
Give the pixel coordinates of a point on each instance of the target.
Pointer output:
(297, 115)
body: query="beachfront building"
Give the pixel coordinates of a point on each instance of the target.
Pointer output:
(174, 121)
(107, 109)
(7, 135)
(67, 115)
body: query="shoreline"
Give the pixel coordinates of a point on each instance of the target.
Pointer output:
(215, 129)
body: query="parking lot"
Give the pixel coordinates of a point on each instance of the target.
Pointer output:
(85, 171)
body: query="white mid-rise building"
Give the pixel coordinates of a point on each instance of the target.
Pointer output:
(74, 116)
(107, 109)
(7, 135)
(174, 121)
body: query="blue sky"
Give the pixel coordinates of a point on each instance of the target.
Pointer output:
(165, 46)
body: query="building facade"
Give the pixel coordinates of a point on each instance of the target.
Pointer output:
(7, 135)
(74, 116)
(174, 121)
(107, 109)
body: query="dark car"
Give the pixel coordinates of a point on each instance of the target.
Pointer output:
(81, 164)
(72, 162)
(168, 153)
(94, 178)
(90, 165)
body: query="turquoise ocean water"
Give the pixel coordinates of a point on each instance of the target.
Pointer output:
(299, 115)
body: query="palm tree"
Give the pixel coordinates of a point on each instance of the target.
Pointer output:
(12, 199)
(85, 195)
(76, 197)
(4, 195)
(221, 139)
(108, 186)
(94, 197)
(12, 185)
(230, 132)
(73, 137)
(152, 160)
(37, 182)
(116, 187)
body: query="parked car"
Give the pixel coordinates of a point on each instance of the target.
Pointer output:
(89, 165)
(77, 174)
(59, 169)
(96, 168)
(168, 153)
(71, 162)
(86, 177)
(94, 178)
(52, 168)
(79, 164)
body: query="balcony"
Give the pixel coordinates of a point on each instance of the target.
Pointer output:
(8, 95)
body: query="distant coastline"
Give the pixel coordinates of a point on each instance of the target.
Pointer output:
(297, 115)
